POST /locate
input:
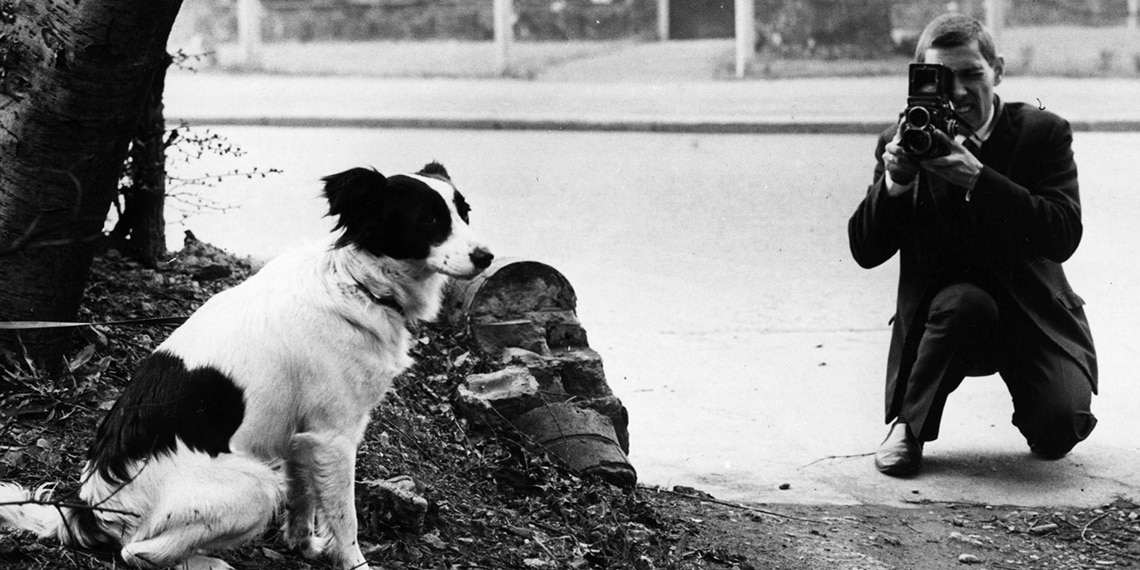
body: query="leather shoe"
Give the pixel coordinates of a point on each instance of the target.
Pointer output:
(1046, 453)
(900, 454)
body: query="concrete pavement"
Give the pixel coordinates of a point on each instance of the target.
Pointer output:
(854, 105)
(992, 471)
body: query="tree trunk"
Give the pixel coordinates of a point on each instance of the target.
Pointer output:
(73, 79)
(141, 229)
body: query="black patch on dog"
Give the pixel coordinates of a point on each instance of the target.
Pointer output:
(436, 170)
(398, 216)
(164, 401)
(461, 207)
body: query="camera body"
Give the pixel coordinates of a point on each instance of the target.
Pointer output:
(928, 107)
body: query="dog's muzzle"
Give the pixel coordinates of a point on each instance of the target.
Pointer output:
(481, 258)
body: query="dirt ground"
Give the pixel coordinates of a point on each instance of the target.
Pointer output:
(494, 501)
(926, 536)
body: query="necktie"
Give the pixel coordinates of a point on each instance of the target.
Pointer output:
(972, 145)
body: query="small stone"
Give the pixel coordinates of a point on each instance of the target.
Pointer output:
(393, 503)
(212, 272)
(964, 539)
(968, 559)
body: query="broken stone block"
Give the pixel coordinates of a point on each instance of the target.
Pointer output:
(494, 337)
(489, 399)
(394, 503)
(576, 372)
(584, 439)
(582, 373)
(514, 356)
(523, 312)
(562, 328)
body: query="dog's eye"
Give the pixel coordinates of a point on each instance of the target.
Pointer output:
(429, 221)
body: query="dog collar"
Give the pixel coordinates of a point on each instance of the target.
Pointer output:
(384, 300)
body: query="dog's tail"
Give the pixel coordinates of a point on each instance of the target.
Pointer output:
(70, 522)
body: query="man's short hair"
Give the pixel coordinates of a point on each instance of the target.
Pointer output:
(955, 30)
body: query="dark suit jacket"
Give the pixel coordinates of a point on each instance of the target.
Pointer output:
(1023, 219)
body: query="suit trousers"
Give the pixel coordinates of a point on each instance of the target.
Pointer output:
(967, 334)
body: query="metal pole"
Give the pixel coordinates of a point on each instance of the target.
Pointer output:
(504, 33)
(249, 33)
(663, 20)
(995, 16)
(745, 35)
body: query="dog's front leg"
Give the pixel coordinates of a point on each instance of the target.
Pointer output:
(331, 473)
(301, 500)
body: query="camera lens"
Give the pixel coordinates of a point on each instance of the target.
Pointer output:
(918, 117)
(917, 141)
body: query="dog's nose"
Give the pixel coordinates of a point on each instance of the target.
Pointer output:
(482, 257)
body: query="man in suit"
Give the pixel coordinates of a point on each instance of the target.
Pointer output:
(981, 234)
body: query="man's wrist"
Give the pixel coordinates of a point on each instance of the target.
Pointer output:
(972, 184)
(896, 188)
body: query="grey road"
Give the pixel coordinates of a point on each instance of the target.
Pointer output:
(713, 276)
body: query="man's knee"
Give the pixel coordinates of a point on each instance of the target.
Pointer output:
(964, 306)
(1053, 431)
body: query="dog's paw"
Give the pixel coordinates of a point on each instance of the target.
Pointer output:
(353, 559)
(310, 546)
(136, 555)
(304, 539)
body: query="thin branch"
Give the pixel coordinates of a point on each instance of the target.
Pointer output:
(739, 506)
(831, 457)
(63, 505)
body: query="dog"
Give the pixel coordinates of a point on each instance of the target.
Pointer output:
(261, 398)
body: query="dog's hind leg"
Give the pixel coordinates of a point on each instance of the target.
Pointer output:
(202, 504)
(331, 465)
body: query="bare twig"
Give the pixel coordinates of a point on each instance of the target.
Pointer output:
(831, 457)
(1085, 528)
(65, 505)
(739, 506)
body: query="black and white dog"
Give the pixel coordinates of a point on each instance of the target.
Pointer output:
(262, 396)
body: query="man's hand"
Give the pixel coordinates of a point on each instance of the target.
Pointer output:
(960, 167)
(899, 164)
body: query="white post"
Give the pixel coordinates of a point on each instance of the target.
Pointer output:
(663, 20)
(995, 16)
(249, 33)
(1133, 11)
(745, 35)
(504, 33)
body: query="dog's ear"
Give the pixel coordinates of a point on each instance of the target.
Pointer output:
(353, 189)
(434, 168)
(354, 195)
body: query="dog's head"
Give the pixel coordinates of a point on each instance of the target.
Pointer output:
(417, 217)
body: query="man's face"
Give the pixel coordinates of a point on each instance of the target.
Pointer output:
(974, 80)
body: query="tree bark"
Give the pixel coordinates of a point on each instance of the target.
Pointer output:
(73, 79)
(141, 229)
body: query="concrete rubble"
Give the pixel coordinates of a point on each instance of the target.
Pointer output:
(550, 384)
